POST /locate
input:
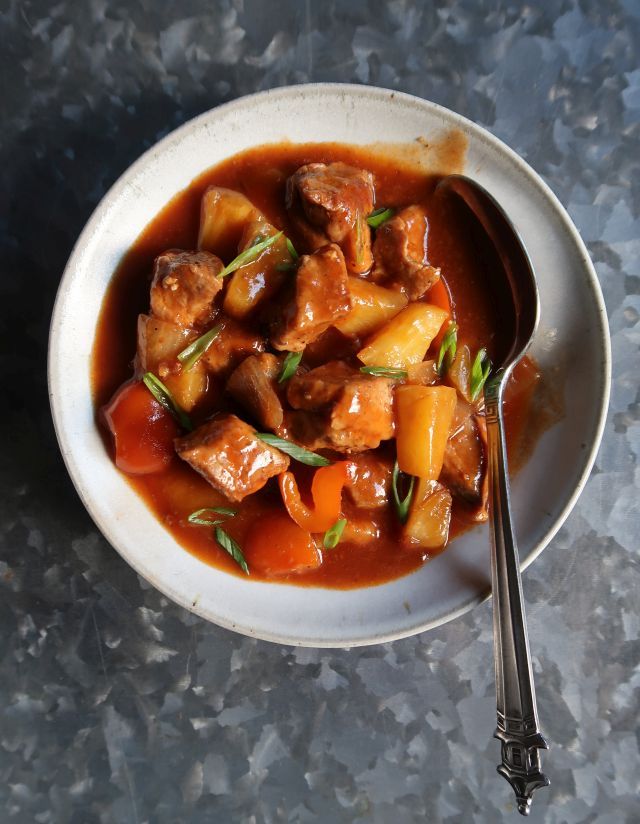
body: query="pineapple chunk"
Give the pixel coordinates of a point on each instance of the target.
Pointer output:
(429, 518)
(404, 340)
(261, 279)
(223, 216)
(371, 307)
(159, 343)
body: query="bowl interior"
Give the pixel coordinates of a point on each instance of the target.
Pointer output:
(571, 343)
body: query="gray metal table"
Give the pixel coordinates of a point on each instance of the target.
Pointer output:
(119, 706)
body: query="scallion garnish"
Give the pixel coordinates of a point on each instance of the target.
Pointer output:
(379, 216)
(448, 349)
(196, 349)
(479, 373)
(250, 254)
(402, 504)
(333, 534)
(298, 453)
(230, 546)
(166, 399)
(292, 250)
(289, 366)
(385, 372)
(285, 267)
(196, 517)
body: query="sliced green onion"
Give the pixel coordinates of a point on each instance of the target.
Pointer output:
(379, 216)
(479, 373)
(250, 254)
(289, 366)
(285, 267)
(292, 250)
(166, 399)
(334, 533)
(230, 546)
(448, 349)
(401, 504)
(192, 353)
(196, 517)
(385, 372)
(298, 453)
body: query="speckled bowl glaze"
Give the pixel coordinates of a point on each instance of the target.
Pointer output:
(572, 338)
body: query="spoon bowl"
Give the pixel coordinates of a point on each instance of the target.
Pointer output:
(513, 286)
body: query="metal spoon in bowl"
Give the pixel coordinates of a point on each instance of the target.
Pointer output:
(516, 296)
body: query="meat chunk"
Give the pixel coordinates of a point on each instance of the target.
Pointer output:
(229, 455)
(400, 252)
(330, 203)
(369, 480)
(253, 384)
(184, 286)
(233, 344)
(464, 467)
(340, 408)
(320, 297)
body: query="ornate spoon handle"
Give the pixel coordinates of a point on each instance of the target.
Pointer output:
(518, 727)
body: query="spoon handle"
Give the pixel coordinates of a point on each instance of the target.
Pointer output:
(518, 727)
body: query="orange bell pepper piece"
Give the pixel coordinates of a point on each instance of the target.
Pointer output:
(326, 492)
(276, 546)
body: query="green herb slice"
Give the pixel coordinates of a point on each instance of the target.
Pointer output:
(379, 216)
(298, 453)
(196, 349)
(166, 399)
(230, 546)
(292, 250)
(333, 535)
(448, 349)
(285, 267)
(385, 372)
(249, 255)
(479, 373)
(196, 517)
(289, 366)
(401, 504)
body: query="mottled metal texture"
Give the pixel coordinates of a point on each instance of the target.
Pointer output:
(118, 706)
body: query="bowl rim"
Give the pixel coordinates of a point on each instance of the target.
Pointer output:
(334, 89)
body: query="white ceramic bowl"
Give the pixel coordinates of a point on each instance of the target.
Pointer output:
(573, 333)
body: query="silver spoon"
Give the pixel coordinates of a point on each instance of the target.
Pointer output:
(516, 292)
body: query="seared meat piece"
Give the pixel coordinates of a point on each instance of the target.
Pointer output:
(184, 286)
(233, 344)
(321, 296)
(227, 453)
(340, 408)
(465, 460)
(400, 252)
(331, 203)
(253, 385)
(369, 480)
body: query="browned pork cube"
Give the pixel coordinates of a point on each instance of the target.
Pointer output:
(330, 202)
(253, 384)
(229, 455)
(320, 296)
(369, 480)
(464, 467)
(184, 286)
(340, 408)
(232, 345)
(400, 251)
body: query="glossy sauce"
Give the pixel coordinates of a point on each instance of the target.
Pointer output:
(261, 174)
